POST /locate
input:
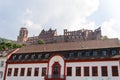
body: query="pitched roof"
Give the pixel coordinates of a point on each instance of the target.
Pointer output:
(91, 44)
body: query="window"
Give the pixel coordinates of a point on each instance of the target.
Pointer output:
(115, 71)
(104, 71)
(16, 72)
(1, 74)
(46, 55)
(94, 71)
(94, 53)
(86, 71)
(22, 72)
(9, 72)
(69, 71)
(14, 56)
(2, 63)
(87, 54)
(29, 71)
(20, 57)
(33, 56)
(36, 71)
(39, 56)
(78, 71)
(104, 53)
(79, 54)
(71, 55)
(113, 52)
(43, 71)
(26, 56)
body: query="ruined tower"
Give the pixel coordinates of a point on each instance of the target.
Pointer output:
(23, 35)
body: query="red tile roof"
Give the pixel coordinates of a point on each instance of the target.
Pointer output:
(91, 44)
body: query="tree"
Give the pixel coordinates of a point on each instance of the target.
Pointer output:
(41, 41)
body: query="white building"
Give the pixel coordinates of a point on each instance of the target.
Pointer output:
(87, 60)
(3, 59)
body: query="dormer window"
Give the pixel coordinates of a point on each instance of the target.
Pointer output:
(33, 56)
(104, 53)
(79, 54)
(87, 54)
(20, 57)
(71, 54)
(113, 52)
(46, 55)
(14, 56)
(39, 56)
(26, 56)
(94, 53)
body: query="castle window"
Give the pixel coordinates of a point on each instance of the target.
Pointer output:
(79, 54)
(104, 53)
(78, 71)
(94, 71)
(16, 72)
(44, 71)
(9, 72)
(115, 71)
(36, 71)
(86, 71)
(113, 52)
(94, 53)
(104, 71)
(29, 71)
(69, 71)
(22, 72)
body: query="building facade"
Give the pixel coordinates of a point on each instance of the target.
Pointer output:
(51, 36)
(84, 60)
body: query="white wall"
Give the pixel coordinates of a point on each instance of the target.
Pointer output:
(90, 64)
(2, 68)
(32, 77)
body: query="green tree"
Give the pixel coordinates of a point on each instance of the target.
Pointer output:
(41, 41)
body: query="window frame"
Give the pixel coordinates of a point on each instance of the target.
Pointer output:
(36, 71)
(86, 72)
(94, 71)
(22, 72)
(115, 72)
(29, 71)
(78, 69)
(44, 73)
(104, 71)
(16, 71)
(9, 72)
(69, 71)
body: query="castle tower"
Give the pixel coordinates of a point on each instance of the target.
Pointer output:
(23, 35)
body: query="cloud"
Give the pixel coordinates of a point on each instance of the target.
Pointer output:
(60, 14)
(111, 28)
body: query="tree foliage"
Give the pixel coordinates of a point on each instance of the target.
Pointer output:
(9, 45)
(41, 41)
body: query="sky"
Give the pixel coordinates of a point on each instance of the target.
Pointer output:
(36, 15)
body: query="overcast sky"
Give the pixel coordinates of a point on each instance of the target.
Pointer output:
(59, 14)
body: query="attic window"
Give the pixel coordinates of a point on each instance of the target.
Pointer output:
(46, 55)
(113, 52)
(14, 56)
(26, 56)
(104, 53)
(94, 53)
(33, 56)
(87, 53)
(20, 56)
(39, 56)
(79, 54)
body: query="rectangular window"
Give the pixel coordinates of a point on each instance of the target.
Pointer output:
(69, 71)
(78, 71)
(2, 64)
(1, 74)
(104, 71)
(36, 71)
(29, 71)
(94, 71)
(44, 71)
(9, 72)
(86, 71)
(15, 71)
(22, 72)
(115, 71)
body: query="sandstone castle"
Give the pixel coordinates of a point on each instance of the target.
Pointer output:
(50, 36)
